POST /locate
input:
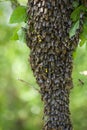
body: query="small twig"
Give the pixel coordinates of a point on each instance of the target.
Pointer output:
(81, 82)
(27, 83)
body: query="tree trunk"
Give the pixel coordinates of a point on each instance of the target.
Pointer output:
(51, 58)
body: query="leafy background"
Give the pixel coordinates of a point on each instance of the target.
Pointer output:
(20, 104)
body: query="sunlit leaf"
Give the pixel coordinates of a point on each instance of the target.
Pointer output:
(73, 29)
(15, 36)
(18, 15)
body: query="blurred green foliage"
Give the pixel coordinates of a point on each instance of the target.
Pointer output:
(20, 104)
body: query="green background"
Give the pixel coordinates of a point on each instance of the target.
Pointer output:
(20, 103)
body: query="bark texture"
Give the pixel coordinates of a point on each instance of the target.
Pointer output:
(51, 58)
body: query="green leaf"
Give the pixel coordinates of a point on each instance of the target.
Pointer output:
(86, 45)
(83, 35)
(15, 36)
(75, 4)
(74, 54)
(82, 42)
(85, 21)
(19, 15)
(21, 35)
(73, 29)
(76, 13)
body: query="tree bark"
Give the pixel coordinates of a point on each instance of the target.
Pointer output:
(51, 58)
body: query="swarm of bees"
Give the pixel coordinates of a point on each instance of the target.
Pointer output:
(51, 57)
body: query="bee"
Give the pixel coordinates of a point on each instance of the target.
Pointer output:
(39, 38)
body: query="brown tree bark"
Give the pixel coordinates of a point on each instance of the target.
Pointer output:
(51, 58)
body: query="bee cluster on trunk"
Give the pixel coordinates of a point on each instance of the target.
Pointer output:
(51, 58)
